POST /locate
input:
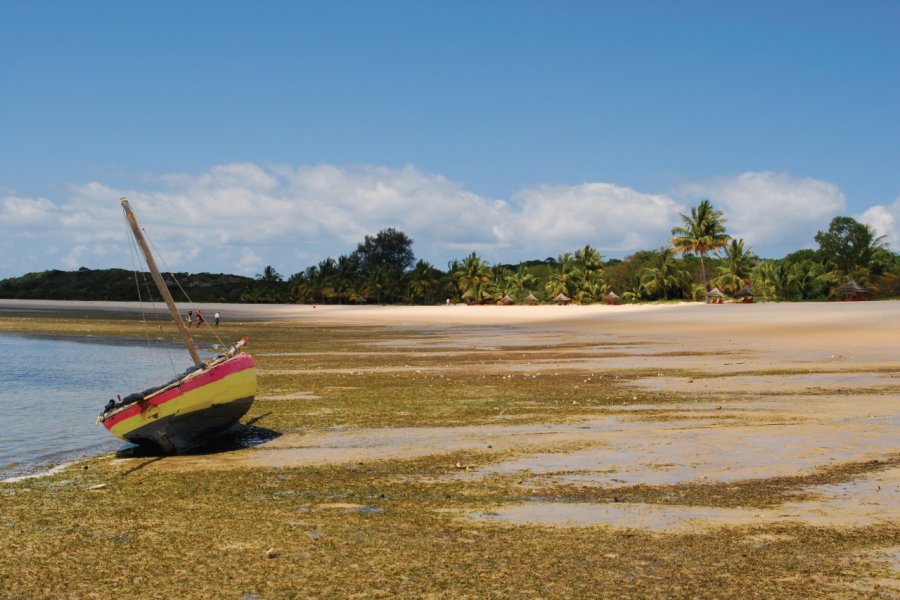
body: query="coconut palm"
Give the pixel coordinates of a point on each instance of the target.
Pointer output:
(808, 279)
(343, 276)
(378, 283)
(589, 259)
(521, 281)
(663, 275)
(423, 281)
(701, 232)
(591, 288)
(735, 267)
(772, 279)
(471, 276)
(561, 280)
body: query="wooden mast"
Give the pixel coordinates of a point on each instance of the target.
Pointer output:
(157, 278)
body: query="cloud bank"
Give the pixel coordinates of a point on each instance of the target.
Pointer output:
(241, 217)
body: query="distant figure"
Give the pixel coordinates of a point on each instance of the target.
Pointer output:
(216, 319)
(199, 318)
(448, 301)
(190, 318)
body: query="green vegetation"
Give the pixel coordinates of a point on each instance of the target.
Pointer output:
(121, 285)
(383, 269)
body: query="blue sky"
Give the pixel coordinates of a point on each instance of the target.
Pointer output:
(256, 133)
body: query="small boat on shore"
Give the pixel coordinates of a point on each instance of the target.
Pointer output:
(197, 406)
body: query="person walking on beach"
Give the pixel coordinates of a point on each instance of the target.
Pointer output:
(216, 319)
(190, 318)
(200, 319)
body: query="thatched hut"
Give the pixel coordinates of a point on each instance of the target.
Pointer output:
(715, 296)
(611, 298)
(507, 300)
(531, 299)
(745, 294)
(562, 299)
(852, 291)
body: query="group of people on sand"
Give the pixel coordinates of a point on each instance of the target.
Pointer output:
(197, 317)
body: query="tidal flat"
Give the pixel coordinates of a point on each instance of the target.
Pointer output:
(745, 451)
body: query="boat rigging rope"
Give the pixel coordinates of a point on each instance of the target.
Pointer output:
(171, 274)
(137, 267)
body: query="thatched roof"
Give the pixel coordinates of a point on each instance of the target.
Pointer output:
(507, 299)
(561, 298)
(851, 287)
(611, 296)
(531, 299)
(744, 292)
(715, 292)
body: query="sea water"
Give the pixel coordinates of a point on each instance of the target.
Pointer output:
(51, 391)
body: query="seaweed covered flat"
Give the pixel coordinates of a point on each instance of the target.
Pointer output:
(662, 452)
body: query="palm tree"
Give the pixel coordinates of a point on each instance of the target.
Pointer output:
(773, 279)
(327, 277)
(701, 232)
(589, 258)
(591, 288)
(423, 281)
(562, 279)
(808, 279)
(378, 283)
(736, 266)
(307, 284)
(344, 277)
(471, 275)
(663, 274)
(521, 281)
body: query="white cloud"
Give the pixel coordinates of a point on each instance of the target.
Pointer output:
(610, 218)
(72, 259)
(249, 263)
(241, 217)
(17, 212)
(771, 210)
(885, 220)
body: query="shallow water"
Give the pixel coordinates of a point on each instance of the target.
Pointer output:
(52, 390)
(861, 502)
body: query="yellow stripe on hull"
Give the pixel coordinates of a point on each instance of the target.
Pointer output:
(235, 386)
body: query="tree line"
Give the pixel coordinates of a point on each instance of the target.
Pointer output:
(700, 255)
(383, 269)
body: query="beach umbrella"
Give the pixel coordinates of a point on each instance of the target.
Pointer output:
(531, 299)
(744, 292)
(611, 297)
(561, 298)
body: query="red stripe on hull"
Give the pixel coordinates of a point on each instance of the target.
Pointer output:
(239, 363)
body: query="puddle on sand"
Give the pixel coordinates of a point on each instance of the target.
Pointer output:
(686, 451)
(870, 500)
(290, 396)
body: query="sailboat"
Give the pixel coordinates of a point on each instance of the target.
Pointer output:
(199, 405)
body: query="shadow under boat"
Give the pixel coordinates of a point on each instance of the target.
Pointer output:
(240, 437)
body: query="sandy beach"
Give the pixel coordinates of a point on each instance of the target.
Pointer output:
(688, 412)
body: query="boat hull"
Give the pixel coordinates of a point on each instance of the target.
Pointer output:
(192, 411)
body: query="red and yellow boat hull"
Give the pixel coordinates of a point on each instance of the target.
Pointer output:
(192, 410)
